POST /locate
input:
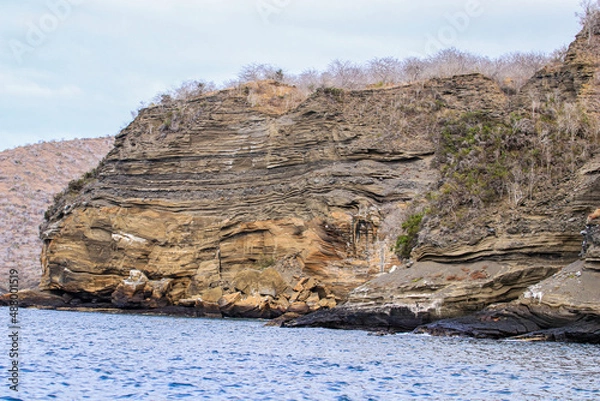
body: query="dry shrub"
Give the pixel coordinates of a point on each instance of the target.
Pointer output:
(272, 97)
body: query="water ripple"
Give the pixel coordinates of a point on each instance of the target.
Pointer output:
(78, 356)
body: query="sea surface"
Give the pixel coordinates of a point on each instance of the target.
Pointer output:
(101, 356)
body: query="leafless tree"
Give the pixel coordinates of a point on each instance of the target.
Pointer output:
(189, 89)
(558, 55)
(511, 71)
(589, 18)
(386, 70)
(413, 69)
(514, 69)
(345, 74)
(259, 72)
(309, 80)
(452, 62)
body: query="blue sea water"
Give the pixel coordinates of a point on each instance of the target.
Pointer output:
(100, 356)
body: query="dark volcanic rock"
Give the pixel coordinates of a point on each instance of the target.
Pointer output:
(517, 322)
(389, 317)
(34, 297)
(486, 324)
(586, 330)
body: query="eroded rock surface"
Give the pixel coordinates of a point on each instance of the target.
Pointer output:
(521, 257)
(429, 291)
(564, 307)
(198, 192)
(224, 207)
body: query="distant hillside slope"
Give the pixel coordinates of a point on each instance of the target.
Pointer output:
(29, 178)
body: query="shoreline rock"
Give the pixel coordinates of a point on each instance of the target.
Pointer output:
(564, 307)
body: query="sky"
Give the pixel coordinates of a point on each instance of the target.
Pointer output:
(78, 68)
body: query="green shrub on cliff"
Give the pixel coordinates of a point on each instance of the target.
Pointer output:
(406, 242)
(334, 93)
(78, 184)
(517, 158)
(474, 155)
(73, 189)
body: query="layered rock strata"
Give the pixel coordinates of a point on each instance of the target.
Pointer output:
(429, 291)
(564, 307)
(523, 258)
(195, 193)
(221, 206)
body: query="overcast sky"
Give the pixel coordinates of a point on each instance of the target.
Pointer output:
(77, 68)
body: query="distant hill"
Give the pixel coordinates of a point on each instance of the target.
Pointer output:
(30, 176)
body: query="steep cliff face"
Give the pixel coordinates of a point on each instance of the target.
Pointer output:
(546, 168)
(196, 195)
(508, 240)
(227, 204)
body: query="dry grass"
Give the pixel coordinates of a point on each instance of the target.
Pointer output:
(271, 97)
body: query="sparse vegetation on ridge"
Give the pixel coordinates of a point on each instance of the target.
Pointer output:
(487, 159)
(510, 71)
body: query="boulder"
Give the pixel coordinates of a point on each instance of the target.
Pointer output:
(246, 281)
(267, 282)
(212, 295)
(298, 307)
(132, 291)
(228, 301)
(136, 291)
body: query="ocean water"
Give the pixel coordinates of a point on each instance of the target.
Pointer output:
(100, 356)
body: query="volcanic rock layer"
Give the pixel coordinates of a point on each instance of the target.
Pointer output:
(226, 205)
(196, 194)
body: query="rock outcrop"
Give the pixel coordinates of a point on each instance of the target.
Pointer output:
(222, 206)
(523, 245)
(564, 307)
(429, 291)
(202, 192)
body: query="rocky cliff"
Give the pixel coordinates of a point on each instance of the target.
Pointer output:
(521, 254)
(244, 203)
(564, 307)
(198, 195)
